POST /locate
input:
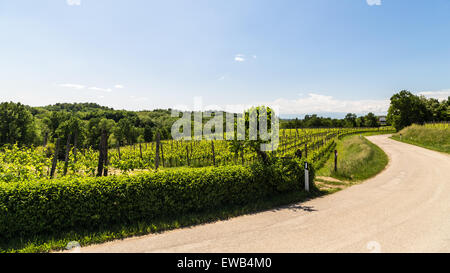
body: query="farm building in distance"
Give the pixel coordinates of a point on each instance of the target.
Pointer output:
(382, 120)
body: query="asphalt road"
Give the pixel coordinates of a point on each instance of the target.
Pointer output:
(406, 208)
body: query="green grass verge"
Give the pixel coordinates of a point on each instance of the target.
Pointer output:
(433, 138)
(333, 183)
(59, 240)
(358, 159)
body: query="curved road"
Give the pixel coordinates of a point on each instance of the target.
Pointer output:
(406, 208)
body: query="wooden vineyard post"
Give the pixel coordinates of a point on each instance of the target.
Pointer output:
(105, 157)
(140, 149)
(102, 157)
(162, 154)
(45, 139)
(335, 160)
(187, 156)
(157, 151)
(306, 150)
(213, 154)
(55, 159)
(66, 155)
(75, 143)
(295, 141)
(118, 149)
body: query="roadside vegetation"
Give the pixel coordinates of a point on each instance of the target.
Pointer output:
(358, 159)
(59, 240)
(407, 109)
(434, 136)
(44, 215)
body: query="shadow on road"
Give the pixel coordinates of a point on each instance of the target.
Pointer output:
(296, 207)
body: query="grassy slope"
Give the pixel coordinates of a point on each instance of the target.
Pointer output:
(433, 138)
(358, 159)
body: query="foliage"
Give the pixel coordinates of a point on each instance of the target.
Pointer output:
(36, 207)
(141, 157)
(435, 136)
(313, 121)
(23, 164)
(254, 136)
(407, 108)
(358, 159)
(51, 122)
(16, 124)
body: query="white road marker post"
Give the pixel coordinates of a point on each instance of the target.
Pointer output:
(306, 177)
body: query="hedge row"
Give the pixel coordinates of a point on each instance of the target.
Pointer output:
(39, 207)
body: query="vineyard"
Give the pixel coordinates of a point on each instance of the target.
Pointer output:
(25, 164)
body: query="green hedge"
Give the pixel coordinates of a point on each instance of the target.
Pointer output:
(41, 207)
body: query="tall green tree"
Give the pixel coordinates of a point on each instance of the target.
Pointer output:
(370, 120)
(406, 109)
(254, 144)
(53, 120)
(17, 124)
(125, 131)
(350, 120)
(95, 127)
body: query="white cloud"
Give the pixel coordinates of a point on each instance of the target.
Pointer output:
(316, 103)
(100, 89)
(72, 85)
(73, 2)
(80, 86)
(440, 94)
(134, 98)
(239, 58)
(311, 104)
(373, 2)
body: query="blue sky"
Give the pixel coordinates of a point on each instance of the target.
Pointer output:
(307, 56)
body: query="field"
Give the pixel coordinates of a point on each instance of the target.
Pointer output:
(24, 164)
(434, 136)
(197, 182)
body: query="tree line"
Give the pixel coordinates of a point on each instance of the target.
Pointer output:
(83, 123)
(407, 108)
(350, 121)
